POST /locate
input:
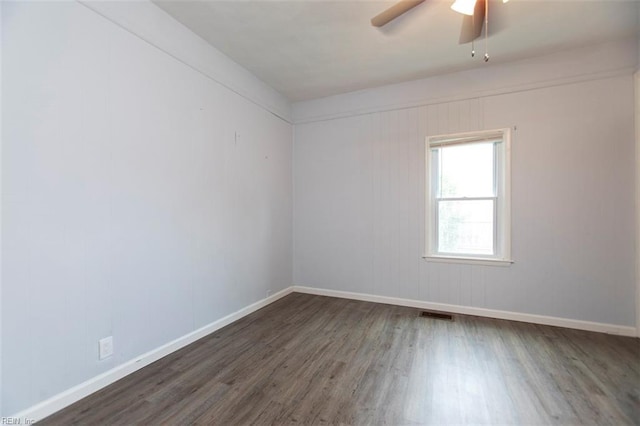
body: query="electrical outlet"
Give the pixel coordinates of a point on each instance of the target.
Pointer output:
(105, 347)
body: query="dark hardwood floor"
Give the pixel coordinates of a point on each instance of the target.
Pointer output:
(313, 360)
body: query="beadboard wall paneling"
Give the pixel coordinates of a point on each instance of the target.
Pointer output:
(360, 193)
(141, 199)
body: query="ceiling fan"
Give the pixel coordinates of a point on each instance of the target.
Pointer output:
(476, 17)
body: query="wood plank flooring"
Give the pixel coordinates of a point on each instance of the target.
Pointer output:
(319, 360)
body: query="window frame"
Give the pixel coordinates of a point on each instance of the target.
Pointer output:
(502, 197)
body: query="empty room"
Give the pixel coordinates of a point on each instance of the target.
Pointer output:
(354, 212)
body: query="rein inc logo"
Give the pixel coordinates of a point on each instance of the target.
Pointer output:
(16, 421)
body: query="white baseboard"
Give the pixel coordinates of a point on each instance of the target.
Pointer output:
(482, 312)
(76, 393)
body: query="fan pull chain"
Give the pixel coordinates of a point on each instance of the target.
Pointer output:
(486, 30)
(473, 26)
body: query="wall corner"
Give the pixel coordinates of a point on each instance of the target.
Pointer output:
(1, 310)
(636, 79)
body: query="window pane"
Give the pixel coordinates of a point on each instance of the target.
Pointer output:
(466, 170)
(465, 227)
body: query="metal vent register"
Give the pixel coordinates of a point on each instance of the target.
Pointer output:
(437, 315)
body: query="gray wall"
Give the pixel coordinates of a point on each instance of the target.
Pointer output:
(359, 191)
(141, 199)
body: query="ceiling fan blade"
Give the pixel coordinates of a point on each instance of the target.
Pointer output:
(393, 12)
(472, 25)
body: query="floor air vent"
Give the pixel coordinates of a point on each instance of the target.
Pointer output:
(437, 315)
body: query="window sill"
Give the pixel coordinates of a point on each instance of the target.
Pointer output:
(468, 260)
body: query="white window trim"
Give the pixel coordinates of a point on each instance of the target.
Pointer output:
(467, 260)
(504, 202)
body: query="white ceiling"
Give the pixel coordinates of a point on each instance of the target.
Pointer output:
(310, 49)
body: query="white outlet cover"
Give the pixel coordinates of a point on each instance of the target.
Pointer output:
(105, 347)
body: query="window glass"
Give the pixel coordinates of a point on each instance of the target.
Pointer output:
(466, 170)
(466, 227)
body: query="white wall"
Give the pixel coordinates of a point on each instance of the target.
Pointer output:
(593, 61)
(1, 33)
(158, 28)
(141, 198)
(359, 187)
(637, 123)
(637, 198)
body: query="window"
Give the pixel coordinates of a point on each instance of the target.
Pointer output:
(468, 203)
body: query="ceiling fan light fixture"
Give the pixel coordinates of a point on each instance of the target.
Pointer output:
(465, 7)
